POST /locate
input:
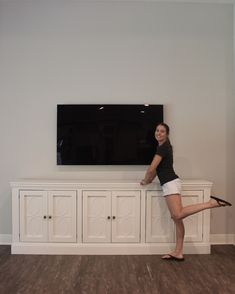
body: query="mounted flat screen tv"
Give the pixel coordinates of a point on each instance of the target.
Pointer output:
(107, 134)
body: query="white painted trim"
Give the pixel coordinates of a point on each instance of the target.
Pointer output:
(186, 1)
(222, 239)
(160, 1)
(163, 1)
(105, 249)
(5, 239)
(94, 184)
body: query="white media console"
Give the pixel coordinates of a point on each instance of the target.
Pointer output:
(103, 217)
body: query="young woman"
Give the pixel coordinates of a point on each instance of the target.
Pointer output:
(162, 166)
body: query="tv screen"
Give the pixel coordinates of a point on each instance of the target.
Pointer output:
(107, 134)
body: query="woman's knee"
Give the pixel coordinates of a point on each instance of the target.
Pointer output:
(176, 216)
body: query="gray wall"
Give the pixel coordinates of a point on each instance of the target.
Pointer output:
(180, 55)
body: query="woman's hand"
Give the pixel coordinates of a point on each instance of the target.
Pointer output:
(143, 182)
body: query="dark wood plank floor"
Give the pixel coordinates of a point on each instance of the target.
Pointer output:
(145, 274)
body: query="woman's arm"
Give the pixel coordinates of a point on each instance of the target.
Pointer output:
(151, 171)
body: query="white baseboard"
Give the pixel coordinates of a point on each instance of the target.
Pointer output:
(104, 249)
(5, 239)
(222, 239)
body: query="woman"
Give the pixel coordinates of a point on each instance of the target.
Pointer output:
(162, 166)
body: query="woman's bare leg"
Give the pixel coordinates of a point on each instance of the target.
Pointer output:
(179, 225)
(178, 212)
(174, 204)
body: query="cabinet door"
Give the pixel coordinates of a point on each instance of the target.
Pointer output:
(62, 216)
(33, 216)
(125, 216)
(96, 216)
(193, 223)
(159, 225)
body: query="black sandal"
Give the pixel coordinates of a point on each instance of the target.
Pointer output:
(221, 202)
(172, 257)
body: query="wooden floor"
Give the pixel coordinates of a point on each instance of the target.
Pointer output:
(33, 274)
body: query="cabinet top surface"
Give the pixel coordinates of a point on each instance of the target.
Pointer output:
(81, 182)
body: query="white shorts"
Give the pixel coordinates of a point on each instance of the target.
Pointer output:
(172, 187)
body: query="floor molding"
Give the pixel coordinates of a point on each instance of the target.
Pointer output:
(5, 239)
(222, 239)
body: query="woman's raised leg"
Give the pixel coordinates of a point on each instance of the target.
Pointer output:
(178, 213)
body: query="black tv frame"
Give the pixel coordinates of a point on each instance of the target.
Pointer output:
(103, 127)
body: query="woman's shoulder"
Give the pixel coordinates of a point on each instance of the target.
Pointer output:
(164, 149)
(166, 144)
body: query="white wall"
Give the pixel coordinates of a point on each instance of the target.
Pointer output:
(178, 54)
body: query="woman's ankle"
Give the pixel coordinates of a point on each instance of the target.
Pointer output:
(178, 252)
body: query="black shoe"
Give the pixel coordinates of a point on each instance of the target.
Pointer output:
(221, 202)
(172, 257)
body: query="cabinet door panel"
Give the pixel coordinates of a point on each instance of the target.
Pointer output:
(96, 210)
(62, 210)
(193, 223)
(125, 216)
(159, 225)
(33, 208)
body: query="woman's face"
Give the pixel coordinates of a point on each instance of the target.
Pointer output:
(161, 134)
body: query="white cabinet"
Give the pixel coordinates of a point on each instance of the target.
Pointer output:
(193, 223)
(96, 216)
(111, 216)
(159, 225)
(33, 216)
(125, 216)
(100, 217)
(47, 216)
